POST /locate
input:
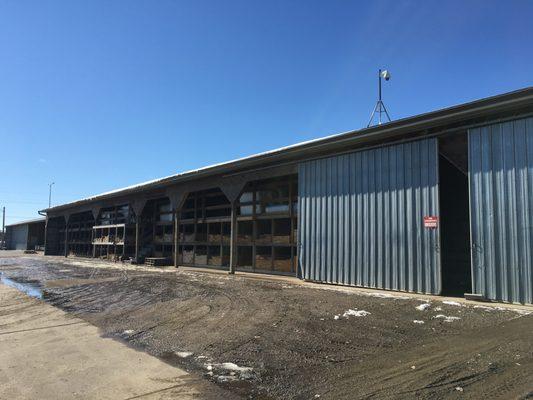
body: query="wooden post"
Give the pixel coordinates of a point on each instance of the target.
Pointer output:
(232, 189)
(92, 242)
(137, 227)
(233, 240)
(176, 236)
(66, 237)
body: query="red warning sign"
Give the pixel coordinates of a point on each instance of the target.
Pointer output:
(431, 222)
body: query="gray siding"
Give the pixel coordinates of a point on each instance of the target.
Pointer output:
(361, 218)
(501, 208)
(17, 237)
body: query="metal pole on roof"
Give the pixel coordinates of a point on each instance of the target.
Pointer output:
(380, 106)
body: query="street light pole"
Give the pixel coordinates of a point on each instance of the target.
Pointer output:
(50, 194)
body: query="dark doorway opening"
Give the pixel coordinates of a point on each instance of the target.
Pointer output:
(454, 215)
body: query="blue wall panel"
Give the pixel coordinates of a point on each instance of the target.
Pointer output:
(361, 218)
(501, 209)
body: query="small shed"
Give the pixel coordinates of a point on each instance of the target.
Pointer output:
(25, 235)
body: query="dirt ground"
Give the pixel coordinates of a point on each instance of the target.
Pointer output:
(48, 354)
(266, 339)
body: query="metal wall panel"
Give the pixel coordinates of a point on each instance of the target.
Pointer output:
(361, 218)
(17, 237)
(501, 209)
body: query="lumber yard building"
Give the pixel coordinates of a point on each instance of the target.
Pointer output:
(439, 203)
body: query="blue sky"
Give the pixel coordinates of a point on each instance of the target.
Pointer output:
(97, 95)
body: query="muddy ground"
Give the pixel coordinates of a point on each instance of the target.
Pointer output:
(277, 340)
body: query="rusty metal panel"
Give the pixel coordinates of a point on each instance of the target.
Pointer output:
(501, 208)
(361, 218)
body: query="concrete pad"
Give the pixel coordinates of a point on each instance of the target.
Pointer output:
(48, 354)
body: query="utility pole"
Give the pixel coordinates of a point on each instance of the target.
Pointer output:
(50, 194)
(3, 226)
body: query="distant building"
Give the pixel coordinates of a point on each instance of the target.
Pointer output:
(25, 235)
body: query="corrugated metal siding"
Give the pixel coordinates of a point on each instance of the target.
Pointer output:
(18, 237)
(361, 218)
(501, 208)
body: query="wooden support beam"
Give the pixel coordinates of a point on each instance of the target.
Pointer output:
(137, 228)
(177, 197)
(232, 188)
(233, 238)
(176, 236)
(67, 217)
(137, 205)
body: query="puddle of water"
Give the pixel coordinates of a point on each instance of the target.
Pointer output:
(31, 290)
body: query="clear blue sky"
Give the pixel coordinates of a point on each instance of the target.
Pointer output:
(97, 95)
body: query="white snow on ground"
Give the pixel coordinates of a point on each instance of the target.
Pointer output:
(235, 371)
(184, 354)
(496, 308)
(416, 321)
(385, 296)
(438, 308)
(233, 367)
(226, 378)
(128, 332)
(423, 307)
(355, 313)
(452, 303)
(446, 318)
(336, 317)
(228, 366)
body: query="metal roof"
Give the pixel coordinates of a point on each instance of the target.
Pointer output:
(457, 113)
(28, 222)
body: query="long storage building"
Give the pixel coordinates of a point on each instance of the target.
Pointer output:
(439, 203)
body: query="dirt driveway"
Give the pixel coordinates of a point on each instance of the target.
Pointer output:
(266, 339)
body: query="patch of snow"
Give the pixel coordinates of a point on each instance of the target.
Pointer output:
(447, 318)
(416, 321)
(228, 366)
(438, 308)
(128, 332)
(452, 303)
(226, 378)
(183, 354)
(233, 367)
(386, 296)
(336, 317)
(355, 313)
(423, 307)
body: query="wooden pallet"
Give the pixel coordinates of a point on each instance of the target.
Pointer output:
(157, 261)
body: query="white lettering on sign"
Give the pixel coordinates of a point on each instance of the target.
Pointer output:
(431, 222)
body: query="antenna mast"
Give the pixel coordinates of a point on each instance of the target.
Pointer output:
(380, 106)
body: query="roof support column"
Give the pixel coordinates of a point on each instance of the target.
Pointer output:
(67, 217)
(232, 188)
(137, 206)
(177, 198)
(233, 238)
(95, 210)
